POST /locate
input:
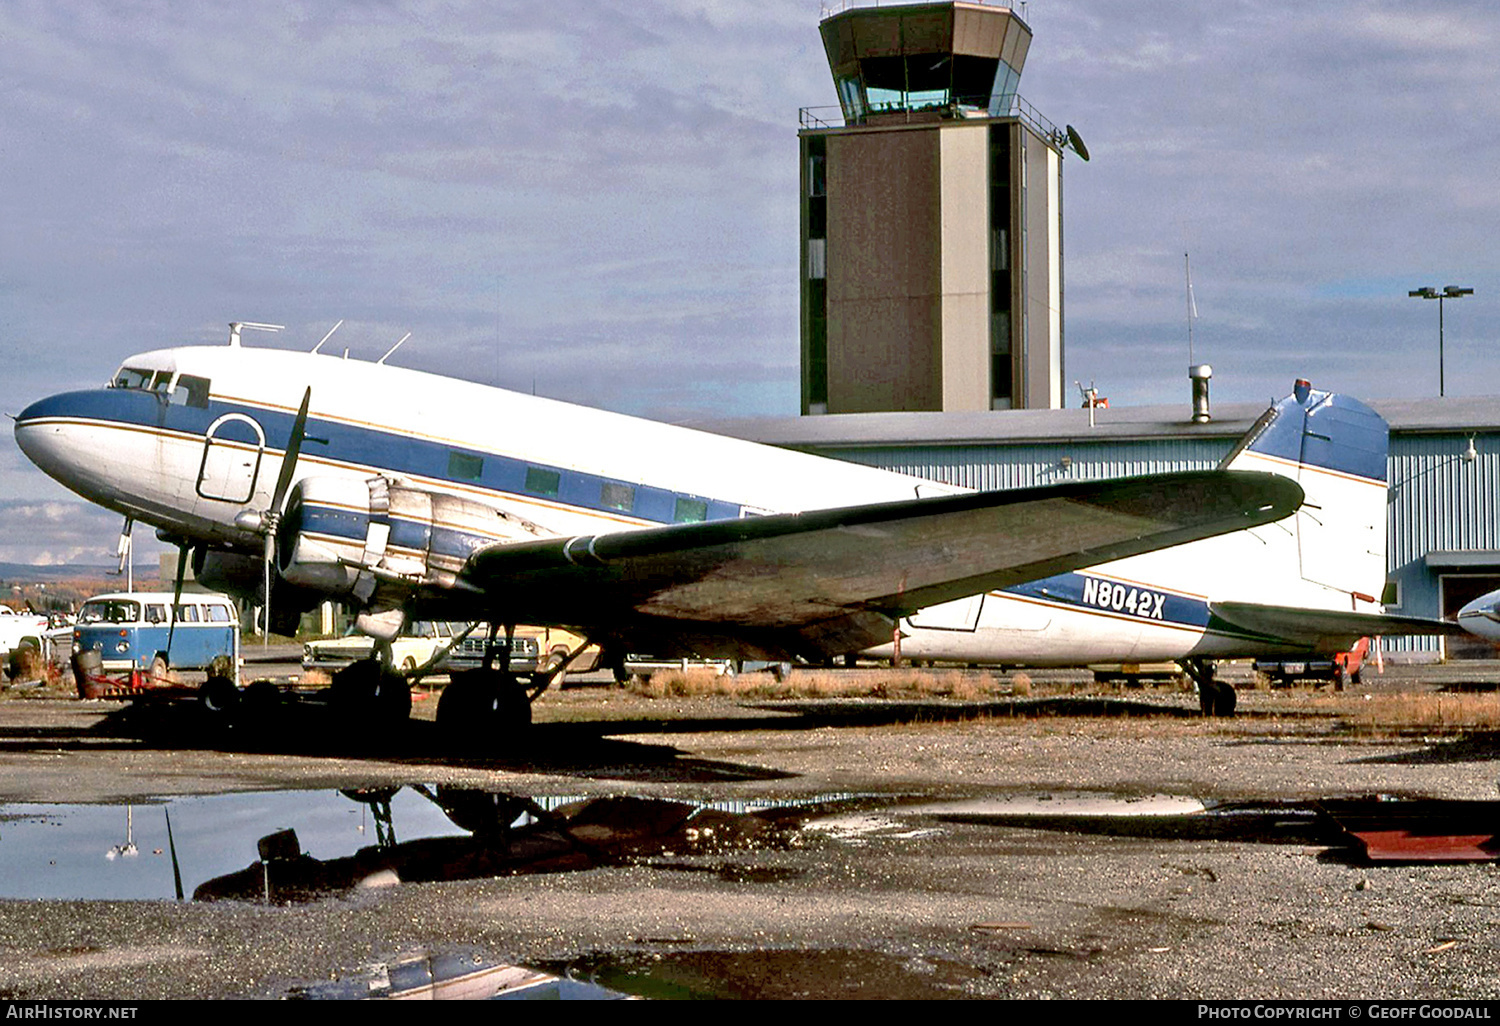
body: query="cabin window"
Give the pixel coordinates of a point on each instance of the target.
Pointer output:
(187, 614)
(543, 482)
(190, 391)
(219, 614)
(463, 467)
(156, 612)
(617, 496)
(690, 511)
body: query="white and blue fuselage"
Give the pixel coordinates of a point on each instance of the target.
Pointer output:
(190, 439)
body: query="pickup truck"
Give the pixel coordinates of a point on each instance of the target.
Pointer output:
(17, 629)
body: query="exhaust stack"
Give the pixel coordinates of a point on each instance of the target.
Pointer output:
(1199, 376)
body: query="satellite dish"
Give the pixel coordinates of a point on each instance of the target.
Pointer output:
(1076, 141)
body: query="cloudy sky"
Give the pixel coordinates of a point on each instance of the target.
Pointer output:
(598, 200)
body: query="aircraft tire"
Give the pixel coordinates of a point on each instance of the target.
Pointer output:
(366, 693)
(1226, 699)
(483, 709)
(219, 698)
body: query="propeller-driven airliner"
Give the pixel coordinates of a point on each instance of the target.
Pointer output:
(293, 477)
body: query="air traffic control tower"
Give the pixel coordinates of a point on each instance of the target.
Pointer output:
(931, 218)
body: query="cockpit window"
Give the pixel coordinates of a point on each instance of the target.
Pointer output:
(130, 377)
(180, 389)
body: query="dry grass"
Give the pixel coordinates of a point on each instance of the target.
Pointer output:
(1282, 710)
(954, 684)
(1437, 713)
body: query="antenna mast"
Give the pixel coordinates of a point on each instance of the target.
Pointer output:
(1192, 307)
(328, 336)
(393, 348)
(236, 326)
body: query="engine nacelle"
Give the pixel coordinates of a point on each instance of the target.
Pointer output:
(346, 536)
(244, 577)
(233, 573)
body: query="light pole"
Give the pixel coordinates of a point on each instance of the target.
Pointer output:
(1449, 292)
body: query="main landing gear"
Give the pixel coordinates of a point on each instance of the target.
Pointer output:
(1215, 697)
(369, 693)
(490, 707)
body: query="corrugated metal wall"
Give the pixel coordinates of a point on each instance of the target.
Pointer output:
(1439, 500)
(1031, 464)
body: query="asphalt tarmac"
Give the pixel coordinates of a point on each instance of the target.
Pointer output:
(869, 849)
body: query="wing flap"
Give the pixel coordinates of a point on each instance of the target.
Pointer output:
(793, 572)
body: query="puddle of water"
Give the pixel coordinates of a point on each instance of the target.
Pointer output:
(1062, 805)
(79, 851)
(858, 827)
(781, 975)
(454, 977)
(299, 845)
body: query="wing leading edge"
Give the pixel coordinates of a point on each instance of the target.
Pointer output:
(831, 581)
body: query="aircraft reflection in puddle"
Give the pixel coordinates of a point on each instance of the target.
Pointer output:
(506, 835)
(439, 976)
(306, 837)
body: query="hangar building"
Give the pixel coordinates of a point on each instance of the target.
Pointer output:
(1443, 533)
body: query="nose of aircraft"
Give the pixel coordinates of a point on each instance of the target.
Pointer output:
(41, 432)
(1482, 617)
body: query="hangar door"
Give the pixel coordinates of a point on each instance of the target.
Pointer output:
(1457, 591)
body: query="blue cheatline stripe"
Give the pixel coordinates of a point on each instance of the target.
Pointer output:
(1093, 594)
(389, 450)
(1327, 430)
(1099, 594)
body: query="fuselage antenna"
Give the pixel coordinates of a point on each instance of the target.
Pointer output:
(393, 348)
(329, 335)
(236, 326)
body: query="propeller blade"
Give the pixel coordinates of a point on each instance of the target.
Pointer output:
(265, 608)
(293, 451)
(176, 868)
(278, 497)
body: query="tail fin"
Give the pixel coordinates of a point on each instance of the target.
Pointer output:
(1335, 448)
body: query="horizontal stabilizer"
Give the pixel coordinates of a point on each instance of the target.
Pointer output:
(843, 573)
(1328, 630)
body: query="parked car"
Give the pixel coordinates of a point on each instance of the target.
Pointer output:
(417, 643)
(533, 647)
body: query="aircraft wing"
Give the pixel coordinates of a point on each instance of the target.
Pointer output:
(1328, 630)
(831, 581)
